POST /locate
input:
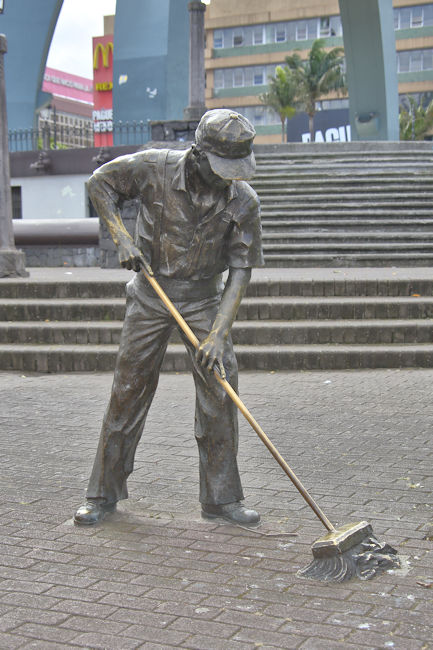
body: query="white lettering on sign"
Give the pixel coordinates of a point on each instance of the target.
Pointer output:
(103, 114)
(67, 82)
(334, 134)
(103, 126)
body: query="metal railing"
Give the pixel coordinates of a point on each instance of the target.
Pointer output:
(58, 136)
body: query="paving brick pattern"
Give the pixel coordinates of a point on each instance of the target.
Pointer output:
(155, 575)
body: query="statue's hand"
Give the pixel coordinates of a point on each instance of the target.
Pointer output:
(210, 353)
(130, 257)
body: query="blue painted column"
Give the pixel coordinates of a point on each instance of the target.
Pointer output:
(12, 261)
(369, 45)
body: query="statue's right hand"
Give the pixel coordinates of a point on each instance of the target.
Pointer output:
(131, 258)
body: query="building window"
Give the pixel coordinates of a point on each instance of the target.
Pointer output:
(301, 31)
(416, 18)
(238, 77)
(403, 62)
(415, 60)
(325, 27)
(280, 33)
(259, 77)
(427, 60)
(413, 17)
(218, 38)
(258, 115)
(238, 37)
(428, 15)
(218, 79)
(258, 35)
(17, 206)
(247, 76)
(336, 26)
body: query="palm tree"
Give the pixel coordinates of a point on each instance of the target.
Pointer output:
(318, 75)
(417, 121)
(281, 95)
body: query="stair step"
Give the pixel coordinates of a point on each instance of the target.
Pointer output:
(85, 358)
(374, 167)
(251, 308)
(347, 247)
(287, 210)
(335, 308)
(367, 225)
(347, 260)
(36, 289)
(351, 200)
(360, 331)
(76, 309)
(269, 332)
(350, 239)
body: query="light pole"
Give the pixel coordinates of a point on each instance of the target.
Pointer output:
(12, 261)
(196, 106)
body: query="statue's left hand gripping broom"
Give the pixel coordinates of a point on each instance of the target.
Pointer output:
(342, 553)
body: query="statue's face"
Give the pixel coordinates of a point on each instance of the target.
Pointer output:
(206, 173)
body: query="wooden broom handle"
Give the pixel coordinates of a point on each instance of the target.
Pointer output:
(241, 406)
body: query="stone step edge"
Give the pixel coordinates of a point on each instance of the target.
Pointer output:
(256, 358)
(323, 224)
(313, 256)
(424, 248)
(248, 300)
(388, 323)
(108, 348)
(365, 235)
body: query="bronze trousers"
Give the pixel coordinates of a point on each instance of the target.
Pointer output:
(144, 340)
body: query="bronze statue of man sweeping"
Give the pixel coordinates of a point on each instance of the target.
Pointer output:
(198, 218)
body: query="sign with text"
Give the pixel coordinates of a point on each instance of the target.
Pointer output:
(103, 90)
(71, 86)
(329, 126)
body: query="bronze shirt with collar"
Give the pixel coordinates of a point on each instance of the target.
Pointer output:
(227, 236)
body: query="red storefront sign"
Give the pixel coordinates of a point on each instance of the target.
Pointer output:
(103, 90)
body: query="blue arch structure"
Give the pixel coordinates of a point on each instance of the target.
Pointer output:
(151, 60)
(369, 47)
(29, 27)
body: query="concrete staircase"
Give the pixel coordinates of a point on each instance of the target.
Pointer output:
(346, 204)
(290, 320)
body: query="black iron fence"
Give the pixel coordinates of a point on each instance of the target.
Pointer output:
(58, 136)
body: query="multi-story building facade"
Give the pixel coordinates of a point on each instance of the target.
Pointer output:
(247, 39)
(66, 121)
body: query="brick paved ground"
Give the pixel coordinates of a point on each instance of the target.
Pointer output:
(155, 575)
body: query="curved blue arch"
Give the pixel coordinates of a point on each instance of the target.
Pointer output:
(151, 51)
(29, 27)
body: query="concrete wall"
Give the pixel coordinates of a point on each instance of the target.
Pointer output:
(225, 13)
(53, 197)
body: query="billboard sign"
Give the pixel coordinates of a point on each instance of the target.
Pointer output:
(103, 90)
(63, 84)
(329, 126)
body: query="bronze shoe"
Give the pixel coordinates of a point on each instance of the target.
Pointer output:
(234, 512)
(91, 512)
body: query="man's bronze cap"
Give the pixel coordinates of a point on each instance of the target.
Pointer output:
(227, 139)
